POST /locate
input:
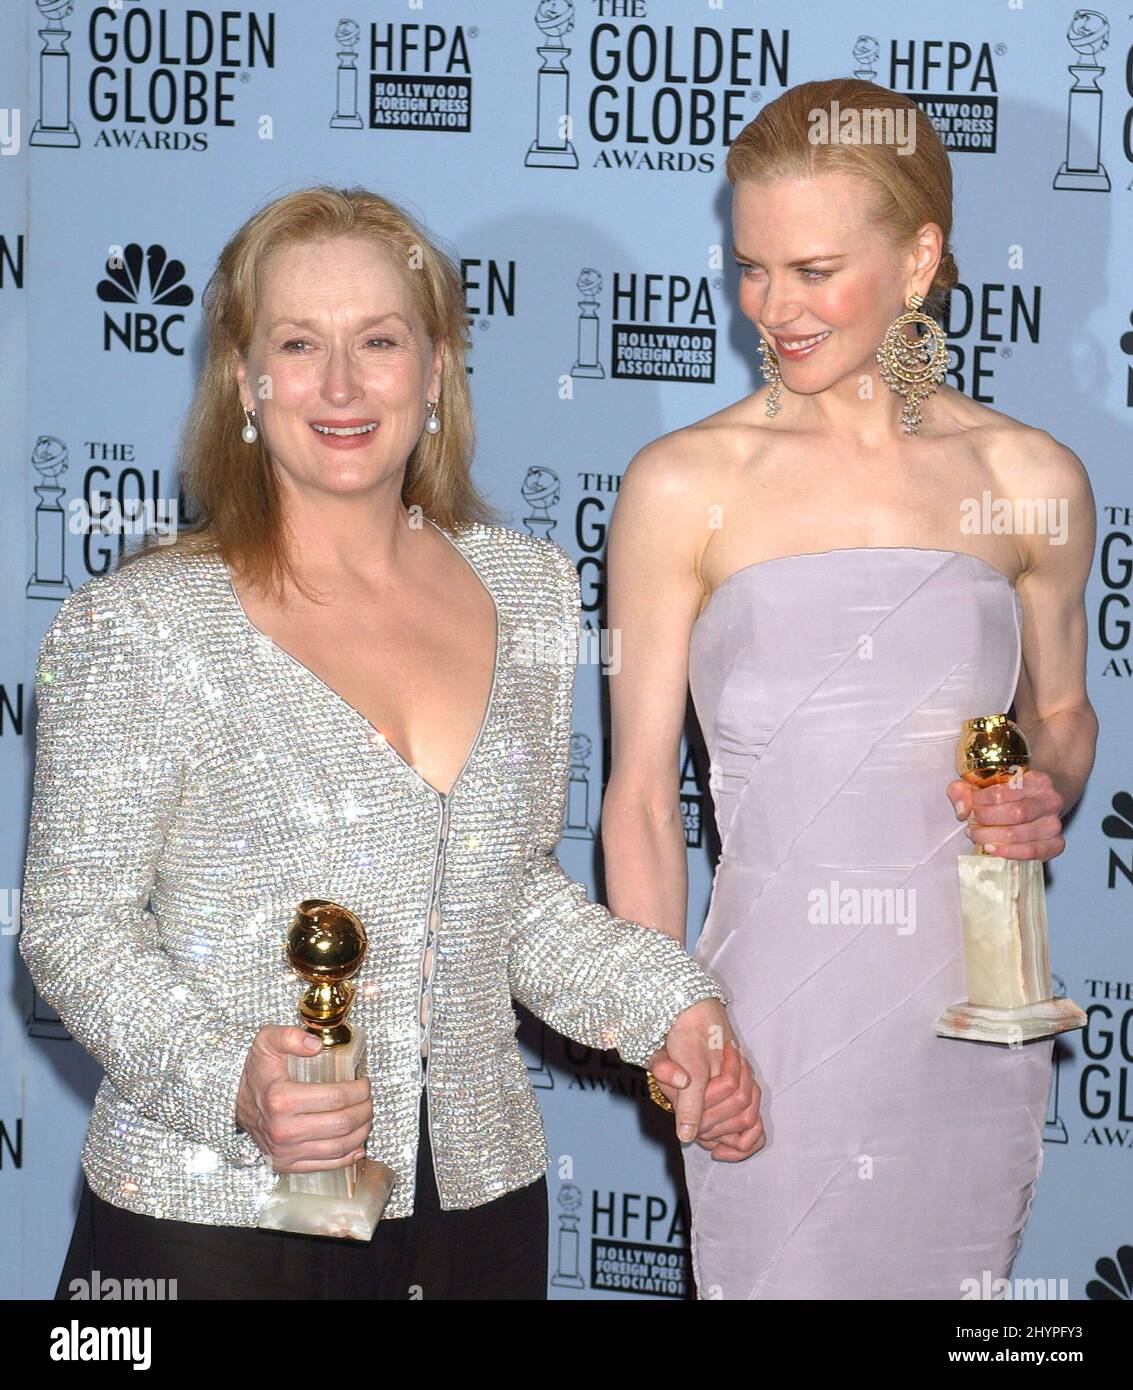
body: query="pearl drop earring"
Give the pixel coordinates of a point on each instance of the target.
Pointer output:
(433, 423)
(249, 434)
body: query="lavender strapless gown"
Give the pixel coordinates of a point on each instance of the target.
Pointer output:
(830, 689)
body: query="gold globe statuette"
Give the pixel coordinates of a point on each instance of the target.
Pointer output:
(1003, 914)
(325, 946)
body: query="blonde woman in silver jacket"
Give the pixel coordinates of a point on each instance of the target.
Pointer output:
(327, 688)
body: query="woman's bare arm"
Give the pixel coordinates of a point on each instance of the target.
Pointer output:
(656, 536)
(1051, 704)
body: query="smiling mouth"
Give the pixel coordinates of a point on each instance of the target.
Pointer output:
(343, 430)
(801, 344)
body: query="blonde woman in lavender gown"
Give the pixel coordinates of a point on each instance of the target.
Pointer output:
(803, 560)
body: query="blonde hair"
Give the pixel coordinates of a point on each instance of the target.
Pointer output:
(231, 484)
(910, 189)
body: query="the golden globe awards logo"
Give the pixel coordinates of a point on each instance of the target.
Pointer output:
(1115, 610)
(134, 278)
(634, 95)
(1105, 1081)
(153, 79)
(986, 324)
(407, 77)
(489, 295)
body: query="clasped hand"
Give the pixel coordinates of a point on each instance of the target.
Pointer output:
(704, 1073)
(305, 1126)
(302, 1126)
(1021, 821)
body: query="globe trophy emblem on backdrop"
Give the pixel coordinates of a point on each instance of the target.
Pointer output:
(54, 125)
(49, 459)
(588, 363)
(1082, 169)
(867, 56)
(552, 148)
(346, 116)
(567, 1273)
(325, 946)
(540, 490)
(1003, 913)
(577, 823)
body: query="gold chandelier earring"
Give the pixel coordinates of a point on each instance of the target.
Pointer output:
(913, 367)
(769, 366)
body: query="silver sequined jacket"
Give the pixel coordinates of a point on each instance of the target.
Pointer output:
(194, 782)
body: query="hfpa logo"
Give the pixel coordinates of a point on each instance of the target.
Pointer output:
(159, 281)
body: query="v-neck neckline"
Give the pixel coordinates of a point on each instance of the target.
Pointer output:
(375, 734)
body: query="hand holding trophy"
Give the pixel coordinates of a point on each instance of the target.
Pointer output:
(325, 946)
(1003, 909)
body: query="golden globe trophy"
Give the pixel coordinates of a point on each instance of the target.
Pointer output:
(1003, 908)
(325, 946)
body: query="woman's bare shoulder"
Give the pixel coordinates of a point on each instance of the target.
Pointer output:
(1045, 482)
(1026, 459)
(695, 460)
(1000, 438)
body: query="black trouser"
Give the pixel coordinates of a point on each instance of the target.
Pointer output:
(494, 1251)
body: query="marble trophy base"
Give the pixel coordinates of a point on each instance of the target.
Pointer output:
(982, 1023)
(345, 1202)
(1006, 956)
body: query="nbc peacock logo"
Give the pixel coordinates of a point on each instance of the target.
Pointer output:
(1119, 827)
(1115, 1277)
(147, 277)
